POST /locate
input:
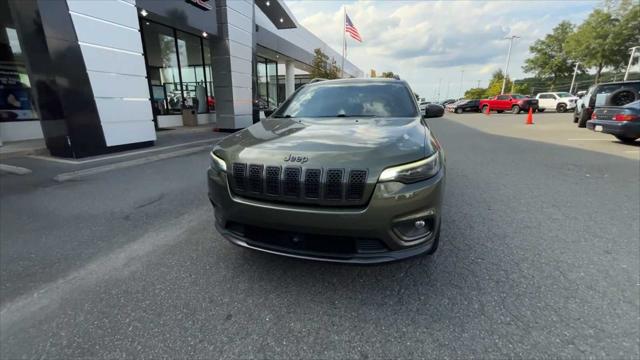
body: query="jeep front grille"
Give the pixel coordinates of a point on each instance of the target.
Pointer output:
(301, 185)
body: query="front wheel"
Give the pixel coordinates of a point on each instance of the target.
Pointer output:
(582, 121)
(541, 109)
(626, 139)
(458, 111)
(515, 109)
(561, 108)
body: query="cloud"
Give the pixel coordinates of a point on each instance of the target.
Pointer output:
(430, 42)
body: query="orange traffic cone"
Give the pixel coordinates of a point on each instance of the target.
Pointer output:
(530, 117)
(488, 110)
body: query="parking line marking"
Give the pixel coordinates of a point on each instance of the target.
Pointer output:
(16, 170)
(129, 163)
(589, 139)
(78, 162)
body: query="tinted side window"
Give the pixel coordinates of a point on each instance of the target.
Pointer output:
(503, 97)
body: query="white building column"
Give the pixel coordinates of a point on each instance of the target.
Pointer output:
(289, 78)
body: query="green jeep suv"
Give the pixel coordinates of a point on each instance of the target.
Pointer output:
(344, 171)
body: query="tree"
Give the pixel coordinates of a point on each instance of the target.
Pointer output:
(550, 60)
(475, 93)
(388, 74)
(597, 43)
(495, 84)
(323, 67)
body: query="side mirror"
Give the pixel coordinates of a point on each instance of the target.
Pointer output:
(433, 111)
(268, 112)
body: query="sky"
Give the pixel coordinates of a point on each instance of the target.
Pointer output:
(437, 46)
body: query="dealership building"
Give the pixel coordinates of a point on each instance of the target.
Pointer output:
(97, 76)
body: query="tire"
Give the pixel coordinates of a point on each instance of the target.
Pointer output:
(622, 97)
(582, 121)
(484, 108)
(626, 140)
(459, 111)
(515, 109)
(541, 109)
(500, 111)
(561, 108)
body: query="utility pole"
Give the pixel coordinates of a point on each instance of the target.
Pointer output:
(633, 53)
(506, 68)
(573, 81)
(461, 77)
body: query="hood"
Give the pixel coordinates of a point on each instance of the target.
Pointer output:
(363, 143)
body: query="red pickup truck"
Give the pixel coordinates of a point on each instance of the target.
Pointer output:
(509, 102)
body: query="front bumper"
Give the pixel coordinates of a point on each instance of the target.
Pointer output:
(629, 129)
(284, 229)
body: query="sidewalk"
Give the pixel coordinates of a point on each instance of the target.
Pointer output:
(175, 137)
(30, 155)
(22, 148)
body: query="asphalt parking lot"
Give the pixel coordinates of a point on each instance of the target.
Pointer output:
(539, 258)
(549, 127)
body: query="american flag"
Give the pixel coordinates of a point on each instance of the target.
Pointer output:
(348, 27)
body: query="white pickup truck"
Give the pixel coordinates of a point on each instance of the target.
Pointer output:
(559, 101)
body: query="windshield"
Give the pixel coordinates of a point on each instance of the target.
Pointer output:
(388, 99)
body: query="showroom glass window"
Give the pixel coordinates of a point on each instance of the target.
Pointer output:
(16, 102)
(211, 102)
(192, 70)
(267, 74)
(178, 68)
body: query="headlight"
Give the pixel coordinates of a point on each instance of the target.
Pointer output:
(217, 163)
(413, 172)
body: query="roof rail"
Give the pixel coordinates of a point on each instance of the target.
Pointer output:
(315, 80)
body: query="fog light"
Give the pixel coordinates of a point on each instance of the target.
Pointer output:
(411, 230)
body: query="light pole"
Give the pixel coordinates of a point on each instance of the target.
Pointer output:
(461, 77)
(573, 81)
(506, 68)
(633, 52)
(439, 83)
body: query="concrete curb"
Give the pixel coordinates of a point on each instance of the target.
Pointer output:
(124, 164)
(16, 170)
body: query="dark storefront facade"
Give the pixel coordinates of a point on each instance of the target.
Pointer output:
(97, 76)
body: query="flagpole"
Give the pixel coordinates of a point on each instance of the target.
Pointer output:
(344, 39)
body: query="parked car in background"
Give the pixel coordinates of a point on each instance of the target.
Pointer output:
(450, 106)
(608, 94)
(580, 104)
(623, 122)
(447, 102)
(509, 102)
(423, 105)
(465, 106)
(559, 101)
